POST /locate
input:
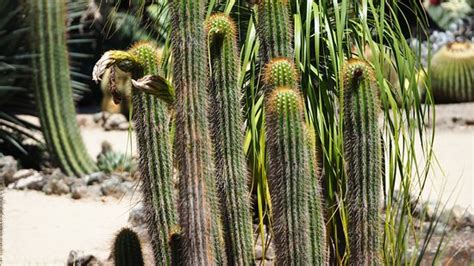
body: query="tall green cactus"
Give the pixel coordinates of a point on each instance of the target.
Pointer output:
(289, 176)
(228, 139)
(127, 249)
(53, 91)
(363, 161)
(198, 206)
(275, 29)
(152, 123)
(452, 73)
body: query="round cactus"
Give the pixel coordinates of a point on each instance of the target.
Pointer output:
(452, 73)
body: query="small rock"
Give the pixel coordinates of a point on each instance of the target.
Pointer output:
(94, 178)
(123, 126)
(112, 187)
(28, 180)
(79, 191)
(114, 121)
(78, 258)
(8, 168)
(56, 187)
(97, 117)
(137, 216)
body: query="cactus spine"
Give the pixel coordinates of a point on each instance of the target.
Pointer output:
(53, 88)
(288, 176)
(275, 29)
(363, 161)
(228, 139)
(198, 206)
(452, 73)
(152, 123)
(127, 249)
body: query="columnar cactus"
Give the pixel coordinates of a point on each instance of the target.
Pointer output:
(228, 139)
(275, 29)
(127, 249)
(152, 123)
(53, 91)
(289, 176)
(363, 161)
(198, 206)
(452, 73)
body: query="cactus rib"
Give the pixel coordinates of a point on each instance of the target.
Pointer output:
(363, 161)
(228, 138)
(198, 206)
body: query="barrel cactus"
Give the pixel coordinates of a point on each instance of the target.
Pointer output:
(228, 139)
(198, 207)
(127, 249)
(363, 161)
(53, 92)
(452, 73)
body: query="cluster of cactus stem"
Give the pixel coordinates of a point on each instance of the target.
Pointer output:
(127, 249)
(53, 90)
(452, 73)
(363, 161)
(228, 139)
(208, 153)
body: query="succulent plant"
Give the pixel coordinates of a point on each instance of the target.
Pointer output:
(53, 91)
(228, 139)
(289, 176)
(275, 29)
(363, 161)
(152, 123)
(198, 207)
(127, 249)
(452, 73)
(279, 72)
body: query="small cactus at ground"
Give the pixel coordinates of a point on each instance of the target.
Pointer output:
(228, 139)
(200, 220)
(53, 92)
(452, 73)
(275, 29)
(289, 176)
(127, 249)
(363, 161)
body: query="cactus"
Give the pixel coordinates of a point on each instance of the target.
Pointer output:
(127, 249)
(53, 91)
(288, 176)
(317, 226)
(279, 72)
(198, 206)
(228, 138)
(152, 122)
(275, 29)
(452, 73)
(363, 161)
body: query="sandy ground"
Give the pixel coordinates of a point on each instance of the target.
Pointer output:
(42, 230)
